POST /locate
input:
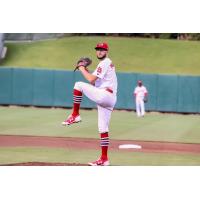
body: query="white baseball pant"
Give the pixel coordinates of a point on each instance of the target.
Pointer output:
(140, 109)
(105, 103)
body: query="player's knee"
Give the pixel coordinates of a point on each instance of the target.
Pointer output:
(101, 100)
(78, 86)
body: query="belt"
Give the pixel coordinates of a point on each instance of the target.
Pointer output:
(109, 90)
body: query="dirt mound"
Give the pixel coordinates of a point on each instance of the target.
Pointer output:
(88, 143)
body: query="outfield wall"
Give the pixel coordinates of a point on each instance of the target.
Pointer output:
(40, 87)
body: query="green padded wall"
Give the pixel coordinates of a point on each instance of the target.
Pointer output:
(40, 87)
(22, 86)
(126, 86)
(167, 93)
(5, 86)
(43, 87)
(63, 88)
(189, 94)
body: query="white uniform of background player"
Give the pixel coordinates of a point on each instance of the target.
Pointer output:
(102, 91)
(140, 93)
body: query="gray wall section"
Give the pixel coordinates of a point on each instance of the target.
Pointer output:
(40, 87)
(1, 43)
(31, 36)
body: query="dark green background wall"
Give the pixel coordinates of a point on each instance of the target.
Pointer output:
(54, 88)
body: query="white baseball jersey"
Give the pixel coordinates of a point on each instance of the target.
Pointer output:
(107, 78)
(140, 92)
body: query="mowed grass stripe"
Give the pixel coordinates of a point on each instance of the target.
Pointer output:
(124, 125)
(29, 154)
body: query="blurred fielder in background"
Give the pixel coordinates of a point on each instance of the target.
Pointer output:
(140, 94)
(102, 90)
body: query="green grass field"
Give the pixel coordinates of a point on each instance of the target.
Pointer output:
(46, 122)
(128, 54)
(29, 154)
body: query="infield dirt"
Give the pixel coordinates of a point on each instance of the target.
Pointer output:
(83, 143)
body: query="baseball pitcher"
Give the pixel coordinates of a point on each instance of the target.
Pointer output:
(102, 90)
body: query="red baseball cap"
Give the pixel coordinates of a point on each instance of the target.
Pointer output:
(139, 82)
(102, 46)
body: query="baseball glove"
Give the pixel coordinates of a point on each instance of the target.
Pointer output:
(145, 99)
(85, 62)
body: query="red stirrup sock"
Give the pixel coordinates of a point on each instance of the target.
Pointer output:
(77, 101)
(104, 145)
